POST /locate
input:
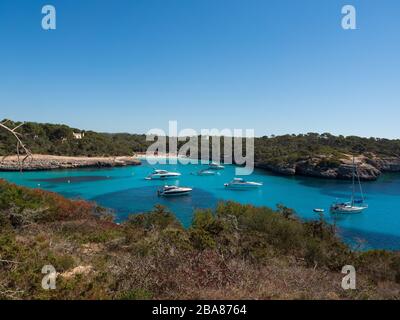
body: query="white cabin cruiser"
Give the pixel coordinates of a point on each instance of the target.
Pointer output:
(215, 166)
(162, 174)
(174, 191)
(239, 183)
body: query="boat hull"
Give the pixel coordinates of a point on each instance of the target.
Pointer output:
(242, 187)
(348, 210)
(174, 194)
(163, 177)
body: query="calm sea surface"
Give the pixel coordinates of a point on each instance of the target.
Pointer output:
(126, 191)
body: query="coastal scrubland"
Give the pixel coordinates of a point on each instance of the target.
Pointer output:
(233, 252)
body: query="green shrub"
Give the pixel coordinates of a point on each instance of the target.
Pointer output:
(136, 294)
(201, 239)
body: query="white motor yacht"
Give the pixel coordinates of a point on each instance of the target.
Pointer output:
(174, 191)
(162, 174)
(239, 183)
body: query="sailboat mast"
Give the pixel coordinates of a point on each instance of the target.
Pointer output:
(353, 180)
(359, 185)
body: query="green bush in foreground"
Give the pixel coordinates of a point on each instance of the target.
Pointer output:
(233, 252)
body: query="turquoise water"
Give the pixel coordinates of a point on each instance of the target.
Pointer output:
(126, 191)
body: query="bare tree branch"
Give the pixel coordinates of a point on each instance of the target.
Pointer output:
(10, 294)
(9, 261)
(20, 145)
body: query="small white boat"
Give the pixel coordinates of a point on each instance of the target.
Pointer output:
(174, 191)
(215, 166)
(206, 173)
(319, 210)
(162, 174)
(239, 183)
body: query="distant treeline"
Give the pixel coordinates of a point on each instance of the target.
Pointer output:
(59, 140)
(292, 148)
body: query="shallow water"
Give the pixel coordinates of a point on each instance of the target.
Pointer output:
(126, 191)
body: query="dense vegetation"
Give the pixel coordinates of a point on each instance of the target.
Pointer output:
(234, 252)
(58, 140)
(292, 148)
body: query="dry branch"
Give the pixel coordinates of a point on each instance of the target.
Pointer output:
(20, 145)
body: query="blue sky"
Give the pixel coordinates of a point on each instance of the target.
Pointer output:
(283, 66)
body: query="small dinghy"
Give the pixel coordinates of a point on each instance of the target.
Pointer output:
(319, 210)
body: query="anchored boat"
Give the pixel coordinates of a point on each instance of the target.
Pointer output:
(215, 166)
(162, 174)
(239, 183)
(206, 173)
(354, 205)
(174, 191)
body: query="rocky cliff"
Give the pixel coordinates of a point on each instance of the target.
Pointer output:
(369, 168)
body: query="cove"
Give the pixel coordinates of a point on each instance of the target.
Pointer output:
(126, 191)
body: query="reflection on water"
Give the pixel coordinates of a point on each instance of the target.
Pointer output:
(137, 200)
(363, 240)
(388, 184)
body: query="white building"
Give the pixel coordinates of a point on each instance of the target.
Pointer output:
(78, 135)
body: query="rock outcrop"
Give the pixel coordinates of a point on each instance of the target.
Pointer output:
(369, 168)
(385, 164)
(46, 162)
(286, 169)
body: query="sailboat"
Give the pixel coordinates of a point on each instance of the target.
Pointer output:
(355, 205)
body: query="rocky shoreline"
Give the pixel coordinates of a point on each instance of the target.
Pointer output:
(47, 162)
(369, 168)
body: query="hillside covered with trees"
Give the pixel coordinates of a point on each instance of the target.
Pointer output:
(57, 139)
(321, 155)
